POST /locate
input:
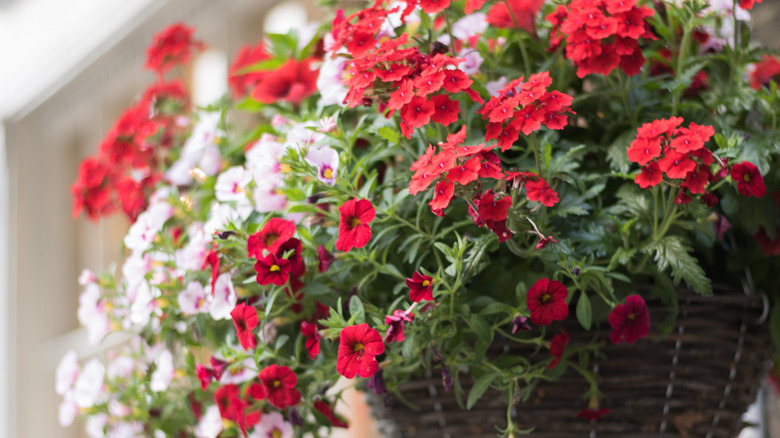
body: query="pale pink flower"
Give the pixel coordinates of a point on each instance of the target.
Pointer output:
(123, 429)
(149, 223)
(327, 124)
(96, 425)
(267, 196)
(117, 409)
(302, 136)
(68, 411)
(87, 277)
(193, 254)
(210, 424)
(471, 25)
(92, 314)
(272, 425)
(142, 303)
(326, 160)
(194, 299)
(279, 120)
(121, 367)
(472, 61)
(330, 82)
(163, 374)
(88, 386)
(67, 372)
(494, 87)
(231, 185)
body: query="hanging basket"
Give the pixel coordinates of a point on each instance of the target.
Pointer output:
(695, 382)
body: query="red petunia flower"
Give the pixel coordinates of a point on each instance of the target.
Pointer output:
(205, 375)
(630, 321)
(272, 269)
(749, 180)
(354, 231)
(327, 411)
(539, 190)
(312, 338)
(257, 391)
(748, 4)
(219, 367)
(241, 83)
(225, 398)
(212, 259)
(358, 349)
(171, 47)
(280, 383)
(273, 235)
(245, 320)
(325, 259)
(292, 82)
(546, 301)
(420, 286)
(557, 346)
(591, 413)
(395, 325)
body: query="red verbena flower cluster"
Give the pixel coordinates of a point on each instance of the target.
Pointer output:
(171, 47)
(418, 84)
(663, 147)
(602, 35)
(519, 14)
(765, 71)
(126, 168)
(525, 107)
(240, 82)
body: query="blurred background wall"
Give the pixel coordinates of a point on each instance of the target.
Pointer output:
(67, 71)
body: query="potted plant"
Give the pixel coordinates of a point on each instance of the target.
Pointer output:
(471, 199)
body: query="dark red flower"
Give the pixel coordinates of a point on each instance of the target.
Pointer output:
(212, 259)
(630, 321)
(592, 413)
(420, 286)
(749, 180)
(292, 82)
(272, 269)
(354, 231)
(325, 259)
(241, 83)
(273, 235)
(768, 246)
(257, 391)
(520, 322)
(327, 411)
(205, 374)
(172, 46)
(395, 325)
(546, 301)
(358, 348)
(557, 346)
(219, 366)
(245, 320)
(225, 398)
(539, 190)
(280, 383)
(312, 338)
(492, 209)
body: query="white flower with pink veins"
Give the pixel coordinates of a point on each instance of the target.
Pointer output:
(149, 223)
(326, 160)
(192, 256)
(67, 372)
(267, 196)
(88, 386)
(200, 151)
(231, 185)
(272, 425)
(194, 299)
(265, 156)
(95, 425)
(224, 300)
(304, 135)
(210, 424)
(330, 82)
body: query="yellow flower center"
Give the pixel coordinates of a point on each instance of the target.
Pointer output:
(546, 298)
(327, 173)
(425, 283)
(631, 316)
(277, 383)
(746, 178)
(276, 433)
(274, 268)
(354, 222)
(357, 348)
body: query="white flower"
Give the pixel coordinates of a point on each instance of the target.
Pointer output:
(194, 299)
(472, 60)
(200, 151)
(231, 184)
(121, 367)
(92, 315)
(272, 424)
(149, 223)
(469, 26)
(266, 196)
(224, 298)
(326, 160)
(193, 254)
(330, 82)
(301, 135)
(117, 409)
(142, 303)
(95, 425)
(67, 372)
(68, 410)
(265, 156)
(163, 375)
(89, 384)
(221, 215)
(87, 277)
(495, 86)
(210, 424)
(127, 430)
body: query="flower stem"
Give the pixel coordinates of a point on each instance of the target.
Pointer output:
(449, 32)
(523, 50)
(624, 96)
(536, 154)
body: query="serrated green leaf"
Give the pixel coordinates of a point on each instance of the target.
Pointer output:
(479, 388)
(621, 257)
(389, 134)
(584, 312)
(670, 252)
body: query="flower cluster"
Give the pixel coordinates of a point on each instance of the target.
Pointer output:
(602, 35)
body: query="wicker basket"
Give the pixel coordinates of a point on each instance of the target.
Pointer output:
(696, 382)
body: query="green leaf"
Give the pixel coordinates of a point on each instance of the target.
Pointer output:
(621, 257)
(356, 310)
(584, 313)
(389, 134)
(270, 304)
(670, 252)
(774, 325)
(481, 328)
(479, 388)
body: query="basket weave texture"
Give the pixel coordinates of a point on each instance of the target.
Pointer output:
(695, 382)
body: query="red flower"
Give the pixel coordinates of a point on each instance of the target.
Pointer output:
(326, 410)
(492, 209)
(651, 175)
(523, 11)
(312, 338)
(242, 83)
(749, 180)
(395, 325)
(205, 375)
(280, 382)
(225, 398)
(748, 4)
(219, 367)
(292, 82)
(768, 246)
(676, 165)
(172, 46)
(257, 391)
(272, 269)
(465, 173)
(273, 234)
(417, 112)
(354, 231)
(630, 321)
(446, 110)
(325, 259)
(539, 190)
(212, 259)
(442, 195)
(245, 320)
(420, 286)
(644, 149)
(766, 70)
(358, 349)
(546, 301)
(557, 346)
